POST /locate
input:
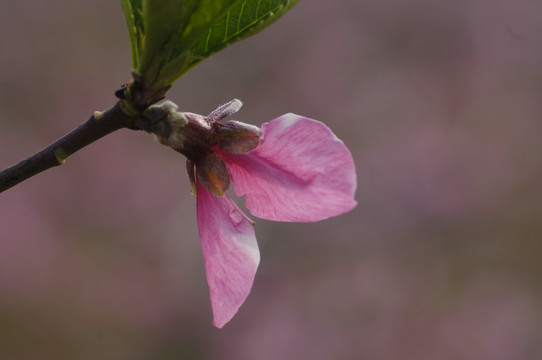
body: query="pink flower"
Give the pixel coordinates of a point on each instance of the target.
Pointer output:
(293, 169)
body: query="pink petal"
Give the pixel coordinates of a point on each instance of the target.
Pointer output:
(230, 252)
(300, 172)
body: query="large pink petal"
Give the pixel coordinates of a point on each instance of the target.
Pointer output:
(300, 172)
(230, 252)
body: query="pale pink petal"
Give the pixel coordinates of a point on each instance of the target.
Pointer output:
(230, 252)
(300, 172)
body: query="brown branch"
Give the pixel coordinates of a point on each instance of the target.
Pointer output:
(96, 127)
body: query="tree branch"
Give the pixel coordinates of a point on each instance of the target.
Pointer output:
(96, 127)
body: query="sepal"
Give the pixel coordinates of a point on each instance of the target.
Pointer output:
(236, 137)
(213, 174)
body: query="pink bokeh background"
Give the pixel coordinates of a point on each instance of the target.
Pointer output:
(440, 104)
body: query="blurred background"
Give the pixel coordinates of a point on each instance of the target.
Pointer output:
(440, 104)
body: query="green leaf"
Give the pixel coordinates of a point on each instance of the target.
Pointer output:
(133, 12)
(168, 37)
(172, 27)
(245, 18)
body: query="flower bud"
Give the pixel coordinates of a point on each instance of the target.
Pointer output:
(165, 121)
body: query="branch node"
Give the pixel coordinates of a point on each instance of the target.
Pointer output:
(98, 115)
(60, 156)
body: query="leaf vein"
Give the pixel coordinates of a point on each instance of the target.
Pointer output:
(241, 29)
(241, 15)
(207, 41)
(227, 26)
(258, 8)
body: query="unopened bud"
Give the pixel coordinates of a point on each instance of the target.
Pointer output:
(177, 120)
(168, 106)
(165, 121)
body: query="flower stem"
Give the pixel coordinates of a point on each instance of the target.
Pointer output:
(96, 127)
